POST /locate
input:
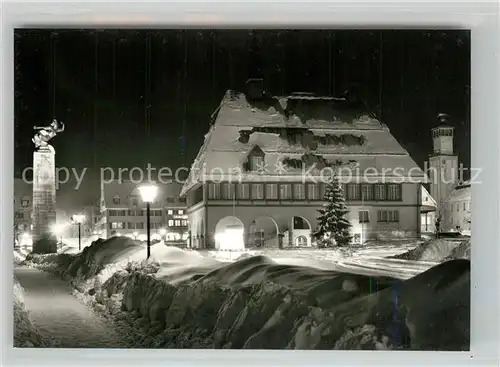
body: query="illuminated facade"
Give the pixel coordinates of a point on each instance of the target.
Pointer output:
(259, 177)
(122, 213)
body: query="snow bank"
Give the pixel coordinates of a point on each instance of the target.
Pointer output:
(179, 299)
(462, 251)
(25, 333)
(435, 250)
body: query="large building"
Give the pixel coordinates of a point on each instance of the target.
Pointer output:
(122, 212)
(259, 177)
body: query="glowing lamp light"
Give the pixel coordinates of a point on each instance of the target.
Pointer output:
(57, 229)
(135, 234)
(163, 231)
(26, 239)
(148, 193)
(78, 218)
(231, 238)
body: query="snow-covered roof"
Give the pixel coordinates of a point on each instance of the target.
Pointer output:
(461, 192)
(290, 127)
(427, 199)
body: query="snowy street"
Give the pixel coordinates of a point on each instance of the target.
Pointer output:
(61, 317)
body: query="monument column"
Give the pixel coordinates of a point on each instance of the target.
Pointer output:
(44, 189)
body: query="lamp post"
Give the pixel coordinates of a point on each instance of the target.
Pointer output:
(148, 194)
(79, 219)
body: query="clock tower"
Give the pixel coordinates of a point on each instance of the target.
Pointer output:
(443, 163)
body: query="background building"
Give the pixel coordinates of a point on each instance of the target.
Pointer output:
(457, 210)
(247, 185)
(429, 208)
(23, 208)
(122, 212)
(443, 164)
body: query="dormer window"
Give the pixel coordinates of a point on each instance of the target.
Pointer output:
(116, 200)
(256, 160)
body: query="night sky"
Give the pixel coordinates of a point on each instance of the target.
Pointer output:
(132, 97)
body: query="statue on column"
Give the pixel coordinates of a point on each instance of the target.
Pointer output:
(46, 133)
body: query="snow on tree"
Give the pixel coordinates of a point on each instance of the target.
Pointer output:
(333, 224)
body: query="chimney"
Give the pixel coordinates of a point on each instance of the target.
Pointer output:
(255, 88)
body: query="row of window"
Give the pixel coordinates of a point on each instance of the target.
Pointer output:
(135, 200)
(287, 191)
(383, 216)
(141, 225)
(177, 223)
(141, 212)
(460, 206)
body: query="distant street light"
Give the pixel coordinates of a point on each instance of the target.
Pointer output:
(79, 219)
(148, 194)
(163, 233)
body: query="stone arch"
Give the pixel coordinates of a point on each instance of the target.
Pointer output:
(263, 232)
(229, 234)
(299, 222)
(301, 241)
(298, 227)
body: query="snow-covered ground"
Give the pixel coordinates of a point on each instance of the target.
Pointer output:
(25, 333)
(59, 316)
(304, 299)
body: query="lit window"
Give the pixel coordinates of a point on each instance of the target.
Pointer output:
(181, 212)
(177, 223)
(170, 222)
(301, 241)
(170, 212)
(25, 203)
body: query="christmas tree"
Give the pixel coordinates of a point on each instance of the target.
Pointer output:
(333, 224)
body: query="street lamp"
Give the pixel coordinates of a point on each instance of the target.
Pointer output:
(79, 219)
(148, 194)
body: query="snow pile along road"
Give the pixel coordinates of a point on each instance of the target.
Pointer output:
(179, 299)
(436, 250)
(25, 333)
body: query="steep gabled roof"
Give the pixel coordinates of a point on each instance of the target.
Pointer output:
(291, 128)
